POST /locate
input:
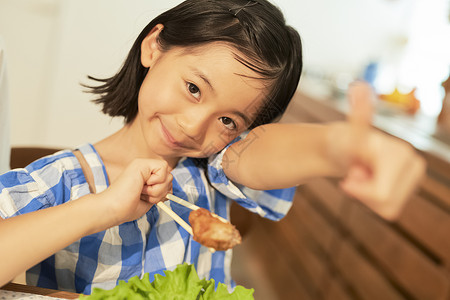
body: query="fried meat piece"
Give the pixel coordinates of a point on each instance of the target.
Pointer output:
(212, 232)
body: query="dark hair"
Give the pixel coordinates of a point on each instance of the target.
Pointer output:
(257, 29)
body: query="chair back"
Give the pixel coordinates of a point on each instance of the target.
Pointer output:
(22, 156)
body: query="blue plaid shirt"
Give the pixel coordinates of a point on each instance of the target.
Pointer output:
(150, 244)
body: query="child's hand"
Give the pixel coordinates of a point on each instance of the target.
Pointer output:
(143, 183)
(382, 171)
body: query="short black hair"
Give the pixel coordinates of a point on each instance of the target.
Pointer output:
(259, 33)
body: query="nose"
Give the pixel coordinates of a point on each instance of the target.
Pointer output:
(194, 123)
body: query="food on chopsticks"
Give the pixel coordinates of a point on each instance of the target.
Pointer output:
(211, 232)
(181, 283)
(208, 229)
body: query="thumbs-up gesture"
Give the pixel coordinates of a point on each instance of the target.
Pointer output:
(382, 171)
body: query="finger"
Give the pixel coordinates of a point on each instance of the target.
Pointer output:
(149, 199)
(361, 99)
(413, 173)
(159, 175)
(152, 199)
(414, 176)
(378, 188)
(158, 191)
(396, 169)
(152, 171)
(353, 136)
(358, 182)
(386, 197)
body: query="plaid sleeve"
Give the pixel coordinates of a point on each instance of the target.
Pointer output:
(44, 183)
(271, 204)
(20, 194)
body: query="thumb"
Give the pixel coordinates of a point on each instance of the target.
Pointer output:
(361, 101)
(361, 98)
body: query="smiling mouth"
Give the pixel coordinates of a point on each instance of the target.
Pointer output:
(170, 140)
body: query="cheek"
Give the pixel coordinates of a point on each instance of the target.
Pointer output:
(145, 95)
(155, 98)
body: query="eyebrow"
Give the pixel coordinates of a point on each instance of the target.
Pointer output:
(243, 116)
(203, 77)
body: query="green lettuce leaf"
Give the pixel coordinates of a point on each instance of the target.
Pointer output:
(222, 293)
(182, 283)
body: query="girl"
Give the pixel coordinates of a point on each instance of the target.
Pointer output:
(198, 77)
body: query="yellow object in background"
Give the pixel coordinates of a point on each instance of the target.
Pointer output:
(407, 102)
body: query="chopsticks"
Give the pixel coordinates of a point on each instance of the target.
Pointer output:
(190, 205)
(176, 217)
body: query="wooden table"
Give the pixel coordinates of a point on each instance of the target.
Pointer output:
(15, 287)
(330, 246)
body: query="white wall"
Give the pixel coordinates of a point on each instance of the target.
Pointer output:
(52, 45)
(343, 35)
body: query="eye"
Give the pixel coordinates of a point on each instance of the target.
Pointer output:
(228, 122)
(193, 89)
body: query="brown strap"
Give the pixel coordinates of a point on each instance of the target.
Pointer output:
(86, 170)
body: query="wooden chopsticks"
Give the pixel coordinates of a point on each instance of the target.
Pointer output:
(176, 217)
(190, 205)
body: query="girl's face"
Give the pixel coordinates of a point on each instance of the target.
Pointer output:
(194, 102)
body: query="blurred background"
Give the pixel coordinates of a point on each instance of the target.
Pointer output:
(51, 46)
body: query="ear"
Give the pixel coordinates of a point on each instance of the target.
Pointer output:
(150, 50)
